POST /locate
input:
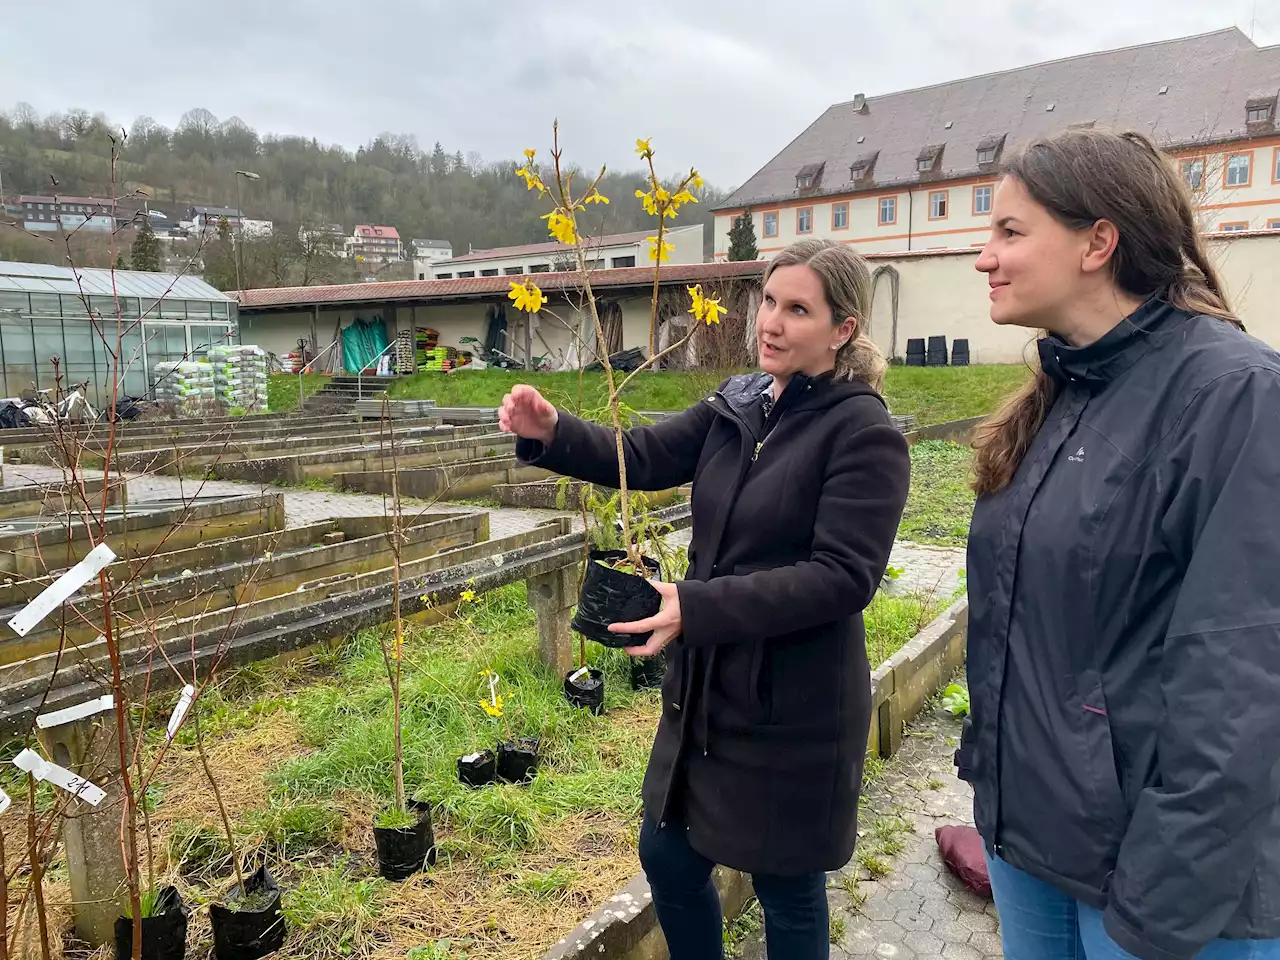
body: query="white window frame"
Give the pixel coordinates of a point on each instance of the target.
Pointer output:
(839, 208)
(1248, 169)
(800, 213)
(987, 156)
(765, 223)
(1196, 164)
(934, 197)
(987, 191)
(892, 205)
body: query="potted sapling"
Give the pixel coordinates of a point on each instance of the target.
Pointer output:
(616, 585)
(247, 922)
(480, 767)
(516, 758)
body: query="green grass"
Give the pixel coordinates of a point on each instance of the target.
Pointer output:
(892, 620)
(282, 389)
(837, 928)
(931, 395)
(333, 909)
(747, 924)
(940, 503)
(938, 394)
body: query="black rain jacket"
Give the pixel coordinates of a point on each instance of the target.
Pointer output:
(1124, 637)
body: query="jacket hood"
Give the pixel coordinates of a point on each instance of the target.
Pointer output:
(1120, 348)
(818, 393)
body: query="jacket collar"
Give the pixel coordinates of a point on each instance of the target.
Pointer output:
(747, 392)
(1120, 348)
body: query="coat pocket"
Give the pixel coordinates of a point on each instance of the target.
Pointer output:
(1103, 764)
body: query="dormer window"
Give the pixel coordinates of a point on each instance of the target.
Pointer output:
(987, 155)
(862, 168)
(809, 176)
(1260, 110)
(989, 149)
(927, 160)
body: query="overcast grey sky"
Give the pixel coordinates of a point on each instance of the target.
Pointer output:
(723, 84)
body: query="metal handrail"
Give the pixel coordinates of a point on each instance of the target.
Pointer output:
(360, 372)
(306, 368)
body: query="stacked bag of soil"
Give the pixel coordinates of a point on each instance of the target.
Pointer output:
(240, 377)
(186, 388)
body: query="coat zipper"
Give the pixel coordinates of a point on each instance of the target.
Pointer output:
(756, 455)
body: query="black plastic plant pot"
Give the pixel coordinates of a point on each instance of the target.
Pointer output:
(478, 769)
(615, 596)
(248, 924)
(647, 672)
(404, 851)
(585, 688)
(164, 934)
(518, 759)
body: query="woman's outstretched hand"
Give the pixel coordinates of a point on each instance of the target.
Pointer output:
(666, 624)
(527, 414)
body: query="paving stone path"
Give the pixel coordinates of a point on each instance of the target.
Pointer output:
(919, 908)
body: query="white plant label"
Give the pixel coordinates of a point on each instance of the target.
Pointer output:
(42, 769)
(79, 711)
(54, 595)
(578, 674)
(471, 758)
(4, 801)
(180, 709)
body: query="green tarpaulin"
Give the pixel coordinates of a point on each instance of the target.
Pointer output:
(361, 343)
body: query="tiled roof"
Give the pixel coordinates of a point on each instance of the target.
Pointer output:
(420, 290)
(1207, 79)
(83, 201)
(377, 232)
(433, 244)
(551, 248)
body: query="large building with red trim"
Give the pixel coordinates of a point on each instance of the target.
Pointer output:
(915, 170)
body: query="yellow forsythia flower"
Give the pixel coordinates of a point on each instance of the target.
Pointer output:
(698, 310)
(645, 147)
(529, 298)
(468, 595)
(561, 227)
(660, 255)
(650, 205)
(712, 310)
(595, 196)
(494, 708)
(531, 180)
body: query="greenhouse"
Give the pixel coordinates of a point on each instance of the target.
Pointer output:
(48, 311)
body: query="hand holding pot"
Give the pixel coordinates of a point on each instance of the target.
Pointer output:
(526, 413)
(666, 624)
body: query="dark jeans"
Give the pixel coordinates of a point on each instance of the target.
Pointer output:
(796, 924)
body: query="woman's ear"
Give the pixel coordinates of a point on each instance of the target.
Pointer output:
(844, 333)
(1103, 238)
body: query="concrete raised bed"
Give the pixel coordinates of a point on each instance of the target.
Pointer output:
(626, 928)
(457, 481)
(545, 494)
(31, 547)
(956, 431)
(206, 579)
(297, 468)
(55, 498)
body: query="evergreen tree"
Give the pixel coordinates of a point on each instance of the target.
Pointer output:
(121, 263)
(145, 252)
(220, 259)
(742, 239)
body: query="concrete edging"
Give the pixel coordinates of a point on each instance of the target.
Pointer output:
(626, 927)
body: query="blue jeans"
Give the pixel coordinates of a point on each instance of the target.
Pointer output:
(796, 923)
(1039, 922)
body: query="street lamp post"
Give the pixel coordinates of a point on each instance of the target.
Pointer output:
(240, 224)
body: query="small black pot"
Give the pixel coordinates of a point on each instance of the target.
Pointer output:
(248, 934)
(586, 691)
(518, 759)
(647, 672)
(402, 851)
(164, 936)
(611, 596)
(478, 769)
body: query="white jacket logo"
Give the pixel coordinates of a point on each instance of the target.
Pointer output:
(1078, 457)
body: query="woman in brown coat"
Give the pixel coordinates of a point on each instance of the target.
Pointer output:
(799, 480)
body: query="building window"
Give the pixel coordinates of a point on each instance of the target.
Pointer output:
(839, 216)
(938, 205)
(445, 276)
(1239, 168)
(422, 276)
(804, 220)
(1193, 173)
(924, 164)
(1275, 167)
(888, 210)
(987, 156)
(513, 271)
(462, 274)
(1273, 224)
(1233, 227)
(540, 268)
(1260, 114)
(622, 262)
(492, 272)
(804, 182)
(982, 200)
(771, 224)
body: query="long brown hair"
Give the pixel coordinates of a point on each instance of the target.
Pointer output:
(846, 281)
(1081, 177)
